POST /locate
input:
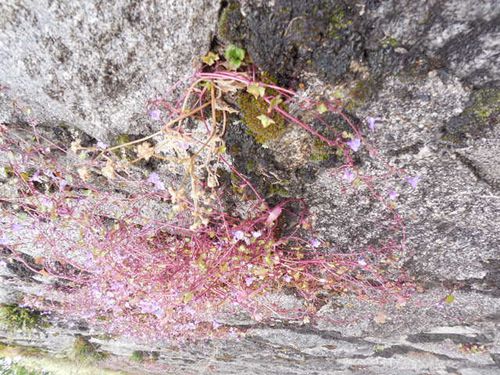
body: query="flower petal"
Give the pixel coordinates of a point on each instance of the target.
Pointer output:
(354, 144)
(413, 181)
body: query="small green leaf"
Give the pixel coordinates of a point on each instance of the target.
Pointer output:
(256, 90)
(322, 108)
(202, 265)
(206, 84)
(234, 56)
(25, 176)
(276, 101)
(357, 182)
(268, 260)
(210, 58)
(338, 94)
(122, 139)
(188, 297)
(347, 135)
(22, 216)
(265, 121)
(221, 149)
(450, 298)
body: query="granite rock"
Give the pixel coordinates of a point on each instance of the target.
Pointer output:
(95, 65)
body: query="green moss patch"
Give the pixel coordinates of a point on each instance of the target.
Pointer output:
(321, 151)
(338, 22)
(85, 351)
(486, 106)
(229, 21)
(389, 42)
(251, 108)
(21, 318)
(361, 92)
(141, 356)
(483, 112)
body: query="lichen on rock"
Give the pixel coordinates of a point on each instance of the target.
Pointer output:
(482, 113)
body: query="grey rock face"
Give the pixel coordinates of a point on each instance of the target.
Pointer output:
(95, 64)
(435, 348)
(429, 60)
(452, 215)
(459, 35)
(289, 37)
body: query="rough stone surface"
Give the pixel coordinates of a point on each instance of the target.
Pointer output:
(289, 37)
(457, 187)
(95, 64)
(432, 72)
(393, 348)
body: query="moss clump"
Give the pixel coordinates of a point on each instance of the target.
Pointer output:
(250, 165)
(278, 191)
(483, 111)
(338, 22)
(141, 356)
(85, 351)
(237, 187)
(362, 91)
(229, 19)
(390, 42)
(251, 108)
(22, 318)
(17, 369)
(138, 356)
(121, 140)
(321, 151)
(486, 106)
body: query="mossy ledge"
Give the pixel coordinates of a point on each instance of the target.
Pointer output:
(21, 318)
(250, 108)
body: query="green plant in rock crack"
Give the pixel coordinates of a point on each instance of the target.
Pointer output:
(183, 268)
(21, 318)
(85, 351)
(142, 356)
(234, 56)
(251, 109)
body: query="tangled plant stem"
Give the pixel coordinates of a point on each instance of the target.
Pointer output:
(150, 277)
